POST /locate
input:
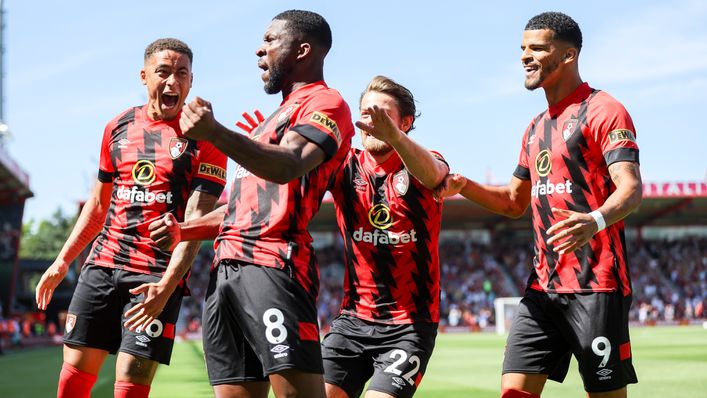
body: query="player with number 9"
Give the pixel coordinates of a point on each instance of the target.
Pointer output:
(578, 170)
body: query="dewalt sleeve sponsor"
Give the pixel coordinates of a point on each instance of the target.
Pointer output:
(211, 170)
(621, 135)
(324, 121)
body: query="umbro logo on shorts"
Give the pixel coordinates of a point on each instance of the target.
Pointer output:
(604, 374)
(398, 382)
(279, 351)
(142, 340)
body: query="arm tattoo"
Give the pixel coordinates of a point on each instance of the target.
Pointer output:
(616, 169)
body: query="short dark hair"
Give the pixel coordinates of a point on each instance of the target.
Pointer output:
(169, 44)
(403, 96)
(564, 27)
(308, 24)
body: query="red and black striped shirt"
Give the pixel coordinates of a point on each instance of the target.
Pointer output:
(266, 222)
(566, 153)
(390, 225)
(153, 169)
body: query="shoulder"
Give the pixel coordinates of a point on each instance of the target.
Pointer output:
(602, 102)
(125, 117)
(537, 118)
(328, 98)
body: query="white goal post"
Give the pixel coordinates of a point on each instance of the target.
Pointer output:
(505, 309)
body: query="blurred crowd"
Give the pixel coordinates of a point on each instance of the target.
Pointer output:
(669, 281)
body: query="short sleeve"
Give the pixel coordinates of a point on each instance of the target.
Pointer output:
(210, 169)
(106, 169)
(522, 170)
(612, 128)
(323, 120)
(439, 157)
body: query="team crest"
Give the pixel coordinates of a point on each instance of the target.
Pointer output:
(286, 113)
(70, 323)
(177, 146)
(569, 128)
(401, 182)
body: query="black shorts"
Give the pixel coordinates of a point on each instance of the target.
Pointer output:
(258, 321)
(396, 356)
(548, 328)
(96, 315)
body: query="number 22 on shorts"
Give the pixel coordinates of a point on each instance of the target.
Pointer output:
(400, 357)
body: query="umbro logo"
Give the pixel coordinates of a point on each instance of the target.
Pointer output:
(280, 350)
(360, 184)
(142, 339)
(398, 382)
(604, 374)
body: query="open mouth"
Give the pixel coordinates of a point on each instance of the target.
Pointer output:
(530, 69)
(262, 65)
(169, 100)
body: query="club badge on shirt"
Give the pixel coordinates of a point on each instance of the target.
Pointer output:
(401, 182)
(177, 146)
(568, 128)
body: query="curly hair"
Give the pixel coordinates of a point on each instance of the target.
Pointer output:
(169, 44)
(564, 27)
(308, 24)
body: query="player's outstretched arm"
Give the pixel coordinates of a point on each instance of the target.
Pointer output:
(294, 157)
(87, 227)
(576, 229)
(429, 170)
(157, 294)
(509, 200)
(167, 232)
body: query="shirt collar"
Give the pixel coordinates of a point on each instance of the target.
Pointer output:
(578, 95)
(305, 90)
(174, 123)
(388, 166)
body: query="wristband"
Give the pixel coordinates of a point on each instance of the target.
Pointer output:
(601, 223)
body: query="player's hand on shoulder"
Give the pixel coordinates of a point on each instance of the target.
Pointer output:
(450, 186)
(197, 120)
(51, 278)
(376, 122)
(252, 123)
(573, 232)
(165, 232)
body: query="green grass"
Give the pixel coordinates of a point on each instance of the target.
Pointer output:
(670, 362)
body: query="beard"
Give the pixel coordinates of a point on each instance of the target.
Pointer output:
(276, 79)
(544, 73)
(374, 146)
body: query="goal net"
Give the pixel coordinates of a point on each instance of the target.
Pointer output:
(505, 309)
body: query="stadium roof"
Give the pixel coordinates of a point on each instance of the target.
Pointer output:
(14, 182)
(664, 204)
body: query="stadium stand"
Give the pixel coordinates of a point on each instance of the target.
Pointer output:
(483, 257)
(14, 190)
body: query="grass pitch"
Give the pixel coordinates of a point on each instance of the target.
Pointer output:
(670, 362)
